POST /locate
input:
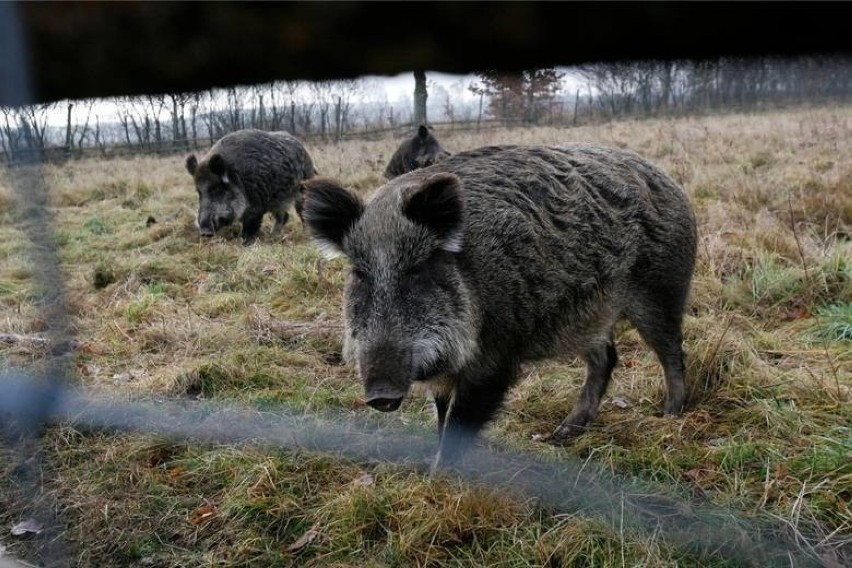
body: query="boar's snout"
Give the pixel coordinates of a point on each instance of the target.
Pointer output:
(424, 161)
(386, 373)
(205, 224)
(208, 225)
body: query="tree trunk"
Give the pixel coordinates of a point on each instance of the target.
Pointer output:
(68, 137)
(576, 106)
(420, 96)
(338, 117)
(175, 124)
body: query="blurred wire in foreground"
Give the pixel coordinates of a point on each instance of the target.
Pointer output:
(21, 426)
(569, 486)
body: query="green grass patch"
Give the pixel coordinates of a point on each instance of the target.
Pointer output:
(834, 322)
(96, 226)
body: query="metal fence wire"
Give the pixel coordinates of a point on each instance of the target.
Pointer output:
(33, 400)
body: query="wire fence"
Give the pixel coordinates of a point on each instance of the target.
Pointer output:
(169, 147)
(30, 402)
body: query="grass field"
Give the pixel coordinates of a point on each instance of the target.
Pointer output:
(159, 313)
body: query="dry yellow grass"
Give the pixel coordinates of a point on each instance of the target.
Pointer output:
(160, 313)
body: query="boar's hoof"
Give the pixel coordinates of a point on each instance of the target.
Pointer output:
(385, 404)
(567, 431)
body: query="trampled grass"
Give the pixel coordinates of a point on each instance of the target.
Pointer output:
(160, 314)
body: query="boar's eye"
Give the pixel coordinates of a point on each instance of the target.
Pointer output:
(360, 273)
(415, 272)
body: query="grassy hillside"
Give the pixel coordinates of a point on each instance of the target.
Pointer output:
(159, 313)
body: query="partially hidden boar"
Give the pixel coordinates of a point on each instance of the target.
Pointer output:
(463, 270)
(245, 175)
(419, 151)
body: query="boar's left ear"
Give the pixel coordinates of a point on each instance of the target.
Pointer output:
(217, 165)
(329, 211)
(438, 205)
(422, 132)
(191, 164)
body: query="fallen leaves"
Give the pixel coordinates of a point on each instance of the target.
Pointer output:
(203, 514)
(30, 526)
(364, 480)
(129, 376)
(300, 543)
(700, 474)
(175, 472)
(795, 313)
(620, 402)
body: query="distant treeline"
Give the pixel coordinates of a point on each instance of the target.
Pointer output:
(653, 88)
(333, 110)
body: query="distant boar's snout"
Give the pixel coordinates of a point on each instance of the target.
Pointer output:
(205, 224)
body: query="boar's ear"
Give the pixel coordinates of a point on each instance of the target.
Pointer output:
(329, 211)
(217, 165)
(422, 132)
(191, 164)
(438, 205)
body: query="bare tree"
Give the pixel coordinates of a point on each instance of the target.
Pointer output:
(234, 98)
(80, 131)
(11, 138)
(33, 123)
(177, 110)
(323, 96)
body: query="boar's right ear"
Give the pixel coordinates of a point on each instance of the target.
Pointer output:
(329, 211)
(217, 165)
(191, 164)
(438, 205)
(422, 132)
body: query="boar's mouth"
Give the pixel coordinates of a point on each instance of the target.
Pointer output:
(385, 404)
(385, 401)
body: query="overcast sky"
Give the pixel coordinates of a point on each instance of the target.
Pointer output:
(395, 89)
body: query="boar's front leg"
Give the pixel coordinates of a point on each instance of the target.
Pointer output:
(474, 402)
(251, 227)
(281, 218)
(442, 404)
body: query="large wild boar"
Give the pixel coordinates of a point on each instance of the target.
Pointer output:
(462, 270)
(419, 151)
(245, 175)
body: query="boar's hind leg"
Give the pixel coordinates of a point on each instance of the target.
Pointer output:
(600, 361)
(659, 319)
(473, 405)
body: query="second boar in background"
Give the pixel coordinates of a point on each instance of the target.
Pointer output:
(245, 175)
(419, 151)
